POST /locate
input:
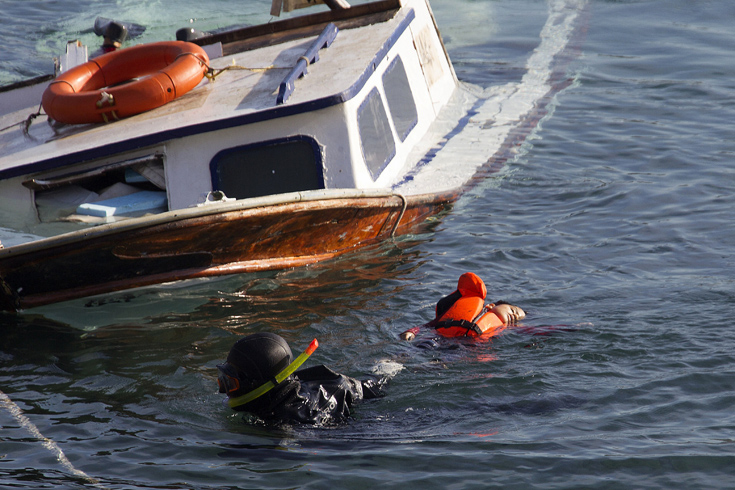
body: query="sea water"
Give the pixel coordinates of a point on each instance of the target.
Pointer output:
(611, 226)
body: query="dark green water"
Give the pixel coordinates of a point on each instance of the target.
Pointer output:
(614, 222)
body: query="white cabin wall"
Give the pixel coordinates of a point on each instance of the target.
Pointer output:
(334, 128)
(188, 175)
(439, 73)
(432, 83)
(331, 126)
(425, 107)
(187, 170)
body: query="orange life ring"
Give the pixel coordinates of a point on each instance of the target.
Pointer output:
(90, 93)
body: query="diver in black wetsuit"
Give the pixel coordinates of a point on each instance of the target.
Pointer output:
(259, 378)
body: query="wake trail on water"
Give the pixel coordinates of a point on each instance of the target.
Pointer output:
(13, 409)
(501, 118)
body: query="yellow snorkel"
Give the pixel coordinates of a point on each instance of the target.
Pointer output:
(279, 378)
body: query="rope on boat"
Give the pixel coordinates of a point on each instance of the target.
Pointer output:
(403, 210)
(50, 445)
(26, 123)
(212, 73)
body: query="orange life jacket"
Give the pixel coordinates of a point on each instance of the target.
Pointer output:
(467, 315)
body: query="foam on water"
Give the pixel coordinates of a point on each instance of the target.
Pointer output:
(498, 112)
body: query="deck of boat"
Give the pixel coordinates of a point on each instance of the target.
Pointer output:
(245, 92)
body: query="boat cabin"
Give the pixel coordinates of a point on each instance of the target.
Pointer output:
(331, 100)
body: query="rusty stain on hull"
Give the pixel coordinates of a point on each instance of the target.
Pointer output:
(229, 242)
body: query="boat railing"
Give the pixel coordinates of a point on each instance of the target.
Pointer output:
(280, 31)
(311, 56)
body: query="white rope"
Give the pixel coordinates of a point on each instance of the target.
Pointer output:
(50, 445)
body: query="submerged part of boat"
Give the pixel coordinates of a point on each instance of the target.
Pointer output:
(310, 137)
(273, 232)
(491, 124)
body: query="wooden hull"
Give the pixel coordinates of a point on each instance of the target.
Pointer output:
(215, 240)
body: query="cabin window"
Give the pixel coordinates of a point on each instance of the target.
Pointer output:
(400, 99)
(132, 187)
(273, 167)
(378, 146)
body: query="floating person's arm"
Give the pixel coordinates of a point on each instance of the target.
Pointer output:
(410, 334)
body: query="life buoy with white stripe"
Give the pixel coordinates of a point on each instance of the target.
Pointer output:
(96, 91)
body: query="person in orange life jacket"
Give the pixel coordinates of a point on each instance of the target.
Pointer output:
(464, 313)
(260, 377)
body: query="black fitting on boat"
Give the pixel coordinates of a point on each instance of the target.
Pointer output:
(116, 32)
(189, 34)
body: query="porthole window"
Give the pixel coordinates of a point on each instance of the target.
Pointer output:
(378, 146)
(272, 167)
(400, 99)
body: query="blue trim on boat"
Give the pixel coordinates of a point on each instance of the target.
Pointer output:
(250, 118)
(311, 56)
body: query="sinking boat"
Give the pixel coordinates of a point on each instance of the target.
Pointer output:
(301, 139)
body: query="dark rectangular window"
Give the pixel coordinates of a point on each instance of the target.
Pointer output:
(273, 167)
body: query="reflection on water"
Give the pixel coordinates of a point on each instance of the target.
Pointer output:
(321, 290)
